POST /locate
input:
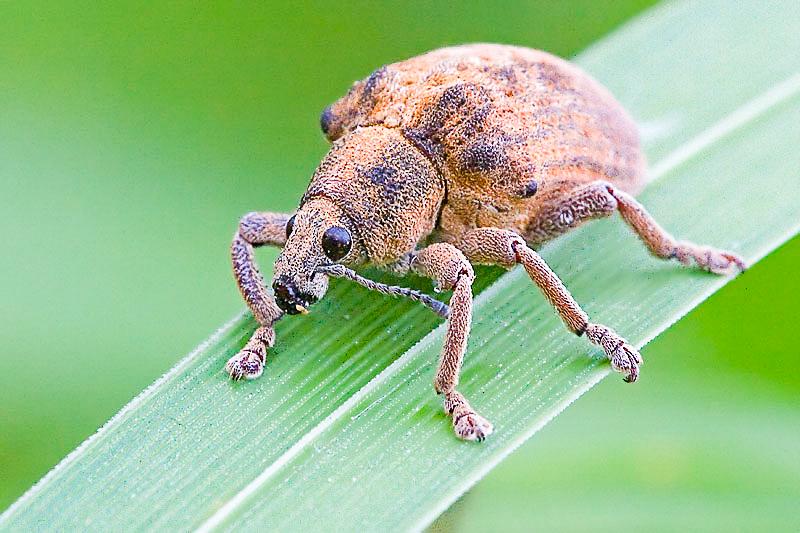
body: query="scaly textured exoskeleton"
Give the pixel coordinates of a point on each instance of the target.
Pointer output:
(467, 155)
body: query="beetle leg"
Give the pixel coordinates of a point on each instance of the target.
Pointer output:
(557, 217)
(601, 199)
(662, 244)
(449, 269)
(255, 229)
(506, 248)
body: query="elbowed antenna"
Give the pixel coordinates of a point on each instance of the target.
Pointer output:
(341, 271)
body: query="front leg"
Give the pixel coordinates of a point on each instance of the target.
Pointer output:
(255, 229)
(449, 269)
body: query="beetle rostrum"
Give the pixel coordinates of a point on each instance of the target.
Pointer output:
(289, 298)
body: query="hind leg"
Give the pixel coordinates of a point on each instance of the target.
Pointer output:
(255, 229)
(663, 245)
(601, 199)
(505, 248)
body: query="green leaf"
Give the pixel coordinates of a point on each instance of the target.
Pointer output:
(343, 430)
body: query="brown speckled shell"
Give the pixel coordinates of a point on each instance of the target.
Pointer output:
(507, 130)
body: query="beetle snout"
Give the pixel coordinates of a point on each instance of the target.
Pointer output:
(289, 298)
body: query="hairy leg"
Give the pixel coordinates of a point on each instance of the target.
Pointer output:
(601, 199)
(255, 229)
(448, 267)
(506, 248)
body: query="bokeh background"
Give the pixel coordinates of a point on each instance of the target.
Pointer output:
(132, 137)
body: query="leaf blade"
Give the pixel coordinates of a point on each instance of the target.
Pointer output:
(214, 438)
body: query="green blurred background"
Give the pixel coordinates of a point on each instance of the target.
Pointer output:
(133, 136)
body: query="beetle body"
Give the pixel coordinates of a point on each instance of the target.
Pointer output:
(505, 132)
(465, 155)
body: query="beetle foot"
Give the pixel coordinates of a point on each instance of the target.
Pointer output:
(245, 365)
(467, 424)
(249, 362)
(624, 357)
(472, 426)
(709, 259)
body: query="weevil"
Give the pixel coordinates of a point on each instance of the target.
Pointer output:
(466, 155)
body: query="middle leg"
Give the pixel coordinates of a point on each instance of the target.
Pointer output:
(505, 248)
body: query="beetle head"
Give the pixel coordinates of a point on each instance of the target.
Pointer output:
(388, 189)
(372, 199)
(318, 234)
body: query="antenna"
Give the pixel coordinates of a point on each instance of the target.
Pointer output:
(341, 271)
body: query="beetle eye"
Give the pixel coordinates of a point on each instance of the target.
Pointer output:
(289, 226)
(530, 189)
(336, 242)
